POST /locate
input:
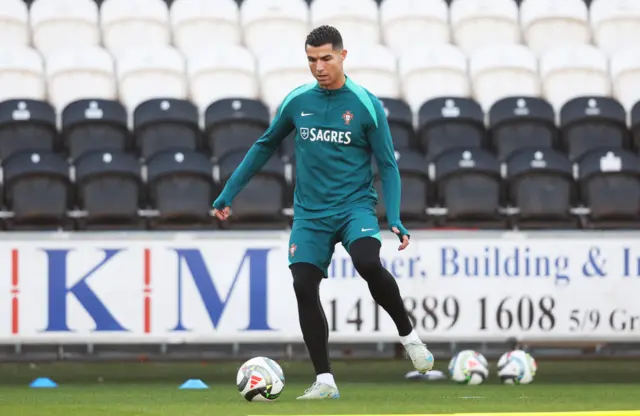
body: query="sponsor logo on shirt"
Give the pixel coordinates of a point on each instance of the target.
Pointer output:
(314, 134)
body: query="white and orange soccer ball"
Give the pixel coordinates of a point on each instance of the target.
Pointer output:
(260, 380)
(468, 367)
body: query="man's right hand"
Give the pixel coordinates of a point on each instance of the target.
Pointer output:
(222, 214)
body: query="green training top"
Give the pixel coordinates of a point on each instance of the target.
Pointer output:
(337, 131)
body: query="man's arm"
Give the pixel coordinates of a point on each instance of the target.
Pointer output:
(383, 151)
(256, 157)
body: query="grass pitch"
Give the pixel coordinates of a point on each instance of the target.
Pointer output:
(367, 388)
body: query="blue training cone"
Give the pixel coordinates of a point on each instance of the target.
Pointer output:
(43, 383)
(193, 384)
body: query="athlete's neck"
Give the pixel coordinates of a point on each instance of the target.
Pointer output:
(338, 84)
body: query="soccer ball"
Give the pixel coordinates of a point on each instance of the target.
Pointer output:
(260, 380)
(468, 367)
(517, 367)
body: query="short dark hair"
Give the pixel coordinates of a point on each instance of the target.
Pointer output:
(324, 34)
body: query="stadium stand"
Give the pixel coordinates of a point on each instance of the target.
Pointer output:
(499, 115)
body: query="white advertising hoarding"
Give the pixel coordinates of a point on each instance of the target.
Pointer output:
(228, 289)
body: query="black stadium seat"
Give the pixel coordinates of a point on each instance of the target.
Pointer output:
(415, 189)
(109, 189)
(95, 125)
(234, 124)
(260, 204)
(468, 185)
(610, 187)
(27, 125)
(181, 188)
(540, 184)
(518, 123)
(635, 127)
(592, 123)
(166, 125)
(400, 119)
(37, 190)
(450, 123)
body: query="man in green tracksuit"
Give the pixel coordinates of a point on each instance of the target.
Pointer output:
(339, 125)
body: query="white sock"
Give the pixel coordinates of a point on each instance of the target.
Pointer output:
(412, 337)
(326, 378)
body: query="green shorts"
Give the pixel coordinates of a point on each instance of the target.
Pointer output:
(314, 240)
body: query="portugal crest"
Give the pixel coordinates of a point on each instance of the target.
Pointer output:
(347, 117)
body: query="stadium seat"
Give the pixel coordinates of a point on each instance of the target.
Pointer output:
(357, 20)
(181, 188)
(224, 72)
(149, 73)
(446, 124)
(520, 123)
(233, 125)
(609, 182)
(592, 123)
(550, 23)
(146, 21)
(37, 190)
(162, 125)
(14, 20)
(79, 73)
(634, 116)
(405, 21)
(27, 125)
(260, 19)
(478, 23)
(21, 73)
(625, 75)
(260, 204)
(415, 190)
(400, 121)
(429, 72)
(108, 190)
(57, 24)
(281, 71)
(95, 126)
(375, 68)
(468, 185)
(501, 71)
(615, 25)
(572, 71)
(540, 184)
(197, 24)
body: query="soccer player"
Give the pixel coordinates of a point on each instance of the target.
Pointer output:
(339, 125)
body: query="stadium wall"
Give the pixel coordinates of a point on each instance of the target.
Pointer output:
(235, 287)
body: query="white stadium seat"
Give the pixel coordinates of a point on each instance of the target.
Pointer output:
(615, 24)
(478, 23)
(571, 71)
(150, 72)
(375, 68)
(432, 71)
(502, 71)
(198, 24)
(357, 20)
(280, 71)
(21, 73)
(223, 72)
(64, 23)
(79, 73)
(14, 23)
(625, 74)
(409, 22)
(134, 23)
(549, 23)
(260, 19)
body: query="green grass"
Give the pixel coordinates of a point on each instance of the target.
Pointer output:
(374, 387)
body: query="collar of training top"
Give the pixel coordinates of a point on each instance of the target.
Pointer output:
(344, 87)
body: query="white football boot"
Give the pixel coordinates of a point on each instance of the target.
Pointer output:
(420, 356)
(320, 391)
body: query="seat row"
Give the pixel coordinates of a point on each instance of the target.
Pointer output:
(192, 24)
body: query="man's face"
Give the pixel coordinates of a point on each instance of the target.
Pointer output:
(326, 64)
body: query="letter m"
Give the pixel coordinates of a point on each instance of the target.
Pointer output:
(213, 302)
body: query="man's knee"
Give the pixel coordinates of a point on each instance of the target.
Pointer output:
(306, 280)
(365, 255)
